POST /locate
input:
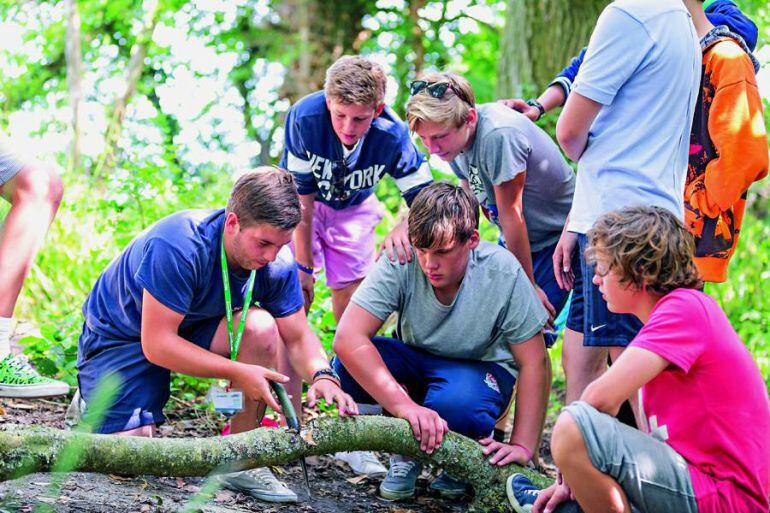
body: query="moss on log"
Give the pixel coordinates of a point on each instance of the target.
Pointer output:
(26, 450)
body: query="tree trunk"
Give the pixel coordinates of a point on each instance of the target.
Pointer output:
(27, 450)
(539, 38)
(133, 73)
(74, 57)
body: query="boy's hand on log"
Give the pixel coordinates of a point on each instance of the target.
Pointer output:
(503, 453)
(428, 427)
(549, 498)
(331, 393)
(253, 380)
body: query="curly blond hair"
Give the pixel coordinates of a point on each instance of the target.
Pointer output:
(352, 79)
(647, 246)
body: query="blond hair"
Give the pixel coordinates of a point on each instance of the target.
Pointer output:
(355, 80)
(442, 214)
(449, 110)
(647, 247)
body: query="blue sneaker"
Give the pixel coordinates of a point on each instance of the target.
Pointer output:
(400, 481)
(521, 493)
(448, 487)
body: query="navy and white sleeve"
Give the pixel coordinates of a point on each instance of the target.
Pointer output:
(566, 77)
(410, 170)
(296, 158)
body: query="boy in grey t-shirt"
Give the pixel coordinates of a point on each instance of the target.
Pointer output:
(469, 327)
(512, 166)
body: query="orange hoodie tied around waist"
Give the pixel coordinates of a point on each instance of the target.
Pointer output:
(728, 150)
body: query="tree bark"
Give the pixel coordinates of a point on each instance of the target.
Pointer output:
(27, 450)
(74, 57)
(539, 38)
(133, 73)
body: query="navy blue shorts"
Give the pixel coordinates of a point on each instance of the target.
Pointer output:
(144, 387)
(588, 312)
(469, 394)
(542, 265)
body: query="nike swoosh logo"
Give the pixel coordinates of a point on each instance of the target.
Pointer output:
(594, 328)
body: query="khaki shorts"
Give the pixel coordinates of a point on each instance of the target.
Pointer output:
(655, 478)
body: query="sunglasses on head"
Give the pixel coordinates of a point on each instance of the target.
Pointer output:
(437, 89)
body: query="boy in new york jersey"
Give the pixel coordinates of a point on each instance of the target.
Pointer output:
(160, 307)
(469, 328)
(339, 143)
(513, 167)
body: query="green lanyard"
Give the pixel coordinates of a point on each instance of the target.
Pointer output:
(233, 337)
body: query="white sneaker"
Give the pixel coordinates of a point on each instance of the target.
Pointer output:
(363, 462)
(19, 379)
(259, 483)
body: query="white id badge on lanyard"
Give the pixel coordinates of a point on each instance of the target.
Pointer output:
(226, 401)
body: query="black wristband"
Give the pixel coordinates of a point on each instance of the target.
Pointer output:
(326, 373)
(538, 106)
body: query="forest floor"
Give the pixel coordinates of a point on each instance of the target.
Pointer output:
(336, 489)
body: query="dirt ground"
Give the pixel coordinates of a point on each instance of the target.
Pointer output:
(335, 488)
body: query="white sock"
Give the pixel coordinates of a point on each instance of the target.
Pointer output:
(5, 336)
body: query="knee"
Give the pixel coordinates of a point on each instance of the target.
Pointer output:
(462, 417)
(260, 334)
(566, 437)
(40, 183)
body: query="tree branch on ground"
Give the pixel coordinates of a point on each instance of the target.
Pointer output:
(27, 450)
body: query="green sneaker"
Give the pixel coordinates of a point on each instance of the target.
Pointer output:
(19, 379)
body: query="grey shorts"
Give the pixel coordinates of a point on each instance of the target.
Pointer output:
(655, 478)
(9, 166)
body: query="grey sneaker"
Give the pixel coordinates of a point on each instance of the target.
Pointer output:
(19, 379)
(448, 487)
(363, 462)
(259, 483)
(400, 481)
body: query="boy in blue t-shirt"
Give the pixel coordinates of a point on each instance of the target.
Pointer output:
(160, 306)
(339, 143)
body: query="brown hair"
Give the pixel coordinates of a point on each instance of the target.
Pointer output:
(441, 214)
(647, 246)
(449, 110)
(266, 194)
(355, 80)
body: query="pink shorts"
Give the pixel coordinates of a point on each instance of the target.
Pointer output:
(343, 240)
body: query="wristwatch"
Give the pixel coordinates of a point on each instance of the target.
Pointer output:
(326, 374)
(538, 106)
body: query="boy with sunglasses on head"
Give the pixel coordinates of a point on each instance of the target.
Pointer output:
(704, 443)
(339, 142)
(507, 162)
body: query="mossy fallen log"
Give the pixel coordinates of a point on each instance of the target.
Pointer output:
(25, 450)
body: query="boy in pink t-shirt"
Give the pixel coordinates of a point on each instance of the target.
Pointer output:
(705, 445)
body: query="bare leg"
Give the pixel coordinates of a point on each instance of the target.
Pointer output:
(259, 346)
(34, 193)
(582, 365)
(341, 298)
(615, 353)
(595, 491)
(147, 431)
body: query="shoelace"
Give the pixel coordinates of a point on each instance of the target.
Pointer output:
(369, 457)
(21, 363)
(264, 476)
(401, 468)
